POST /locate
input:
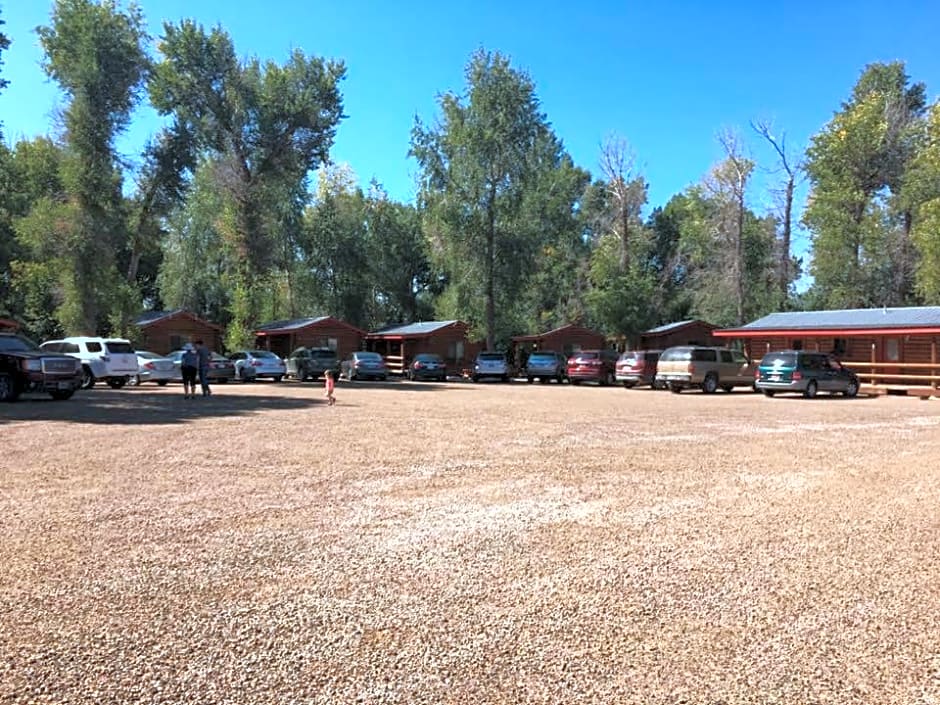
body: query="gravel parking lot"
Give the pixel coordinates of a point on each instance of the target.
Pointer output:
(460, 543)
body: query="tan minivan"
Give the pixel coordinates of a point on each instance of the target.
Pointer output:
(707, 368)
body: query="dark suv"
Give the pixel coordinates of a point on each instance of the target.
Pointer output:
(311, 363)
(593, 366)
(24, 367)
(545, 365)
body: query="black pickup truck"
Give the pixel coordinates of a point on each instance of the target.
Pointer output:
(26, 368)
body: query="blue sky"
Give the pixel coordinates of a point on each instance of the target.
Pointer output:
(664, 75)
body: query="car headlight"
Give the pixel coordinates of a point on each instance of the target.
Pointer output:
(32, 365)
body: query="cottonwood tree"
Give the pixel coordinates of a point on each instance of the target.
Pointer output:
(861, 229)
(265, 126)
(792, 170)
(627, 192)
(922, 198)
(487, 173)
(94, 51)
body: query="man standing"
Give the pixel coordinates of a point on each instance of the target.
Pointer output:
(203, 354)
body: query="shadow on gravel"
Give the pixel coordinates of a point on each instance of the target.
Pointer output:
(141, 406)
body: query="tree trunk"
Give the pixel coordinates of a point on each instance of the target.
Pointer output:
(784, 267)
(490, 276)
(739, 257)
(624, 238)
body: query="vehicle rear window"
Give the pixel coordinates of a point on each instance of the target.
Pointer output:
(630, 357)
(368, 356)
(586, 356)
(492, 356)
(218, 358)
(13, 343)
(117, 347)
(425, 357)
(262, 353)
(779, 360)
(147, 355)
(677, 355)
(542, 357)
(323, 354)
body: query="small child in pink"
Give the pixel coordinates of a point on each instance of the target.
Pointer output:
(330, 384)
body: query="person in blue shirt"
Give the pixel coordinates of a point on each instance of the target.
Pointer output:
(203, 354)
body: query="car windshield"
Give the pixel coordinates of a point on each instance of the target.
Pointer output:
(262, 354)
(677, 355)
(117, 347)
(492, 357)
(323, 354)
(14, 343)
(779, 360)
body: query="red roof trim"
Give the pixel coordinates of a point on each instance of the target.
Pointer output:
(823, 332)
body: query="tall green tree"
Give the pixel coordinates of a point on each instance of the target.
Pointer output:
(4, 45)
(265, 126)
(861, 230)
(485, 167)
(95, 52)
(922, 197)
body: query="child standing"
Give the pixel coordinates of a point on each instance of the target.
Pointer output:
(330, 384)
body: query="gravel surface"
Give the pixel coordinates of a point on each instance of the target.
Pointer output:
(425, 543)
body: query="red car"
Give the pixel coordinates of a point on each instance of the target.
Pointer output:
(637, 367)
(593, 366)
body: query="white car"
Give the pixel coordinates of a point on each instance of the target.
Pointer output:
(111, 360)
(255, 364)
(153, 368)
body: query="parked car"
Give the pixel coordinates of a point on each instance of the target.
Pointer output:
(153, 368)
(706, 368)
(256, 364)
(111, 360)
(221, 369)
(638, 367)
(25, 367)
(364, 365)
(546, 365)
(805, 373)
(311, 363)
(427, 366)
(593, 366)
(492, 365)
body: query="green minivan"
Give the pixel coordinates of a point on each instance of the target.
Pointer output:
(805, 373)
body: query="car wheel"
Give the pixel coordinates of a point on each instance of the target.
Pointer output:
(351, 375)
(278, 378)
(116, 383)
(852, 389)
(811, 389)
(162, 382)
(629, 385)
(221, 380)
(710, 384)
(88, 378)
(769, 392)
(133, 381)
(302, 376)
(530, 380)
(727, 388)
(675, 388)
(8, 390)
(575, 381)
(62, 395)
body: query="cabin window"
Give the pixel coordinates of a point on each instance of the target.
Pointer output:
(332, 344)
(839, 346)
(176, 342)
(455, 350)
(796, 345)
(892, 349)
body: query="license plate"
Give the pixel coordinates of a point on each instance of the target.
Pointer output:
(774, 378)
(63, 386)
